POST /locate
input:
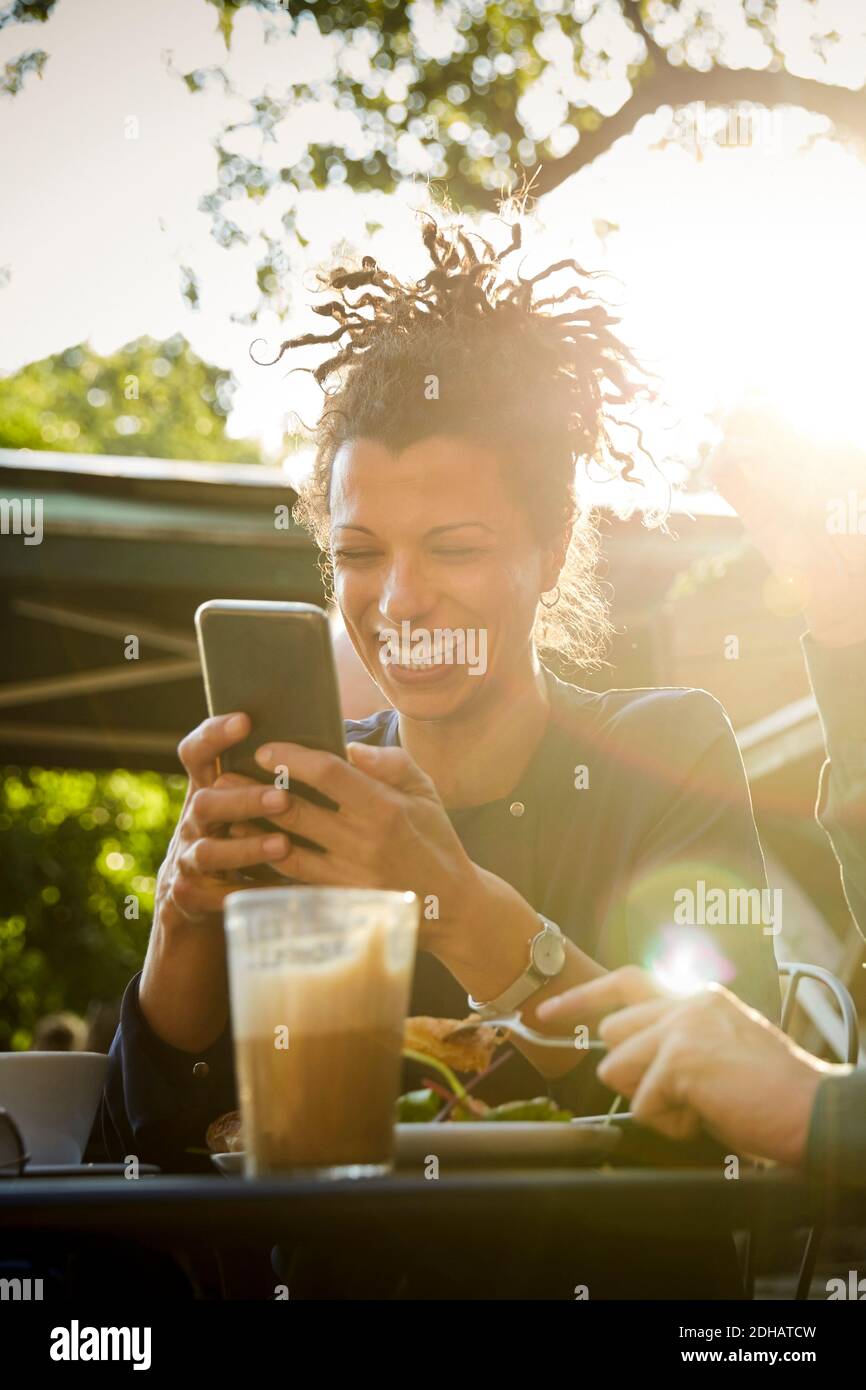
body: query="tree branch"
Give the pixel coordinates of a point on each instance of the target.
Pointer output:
(659, 83)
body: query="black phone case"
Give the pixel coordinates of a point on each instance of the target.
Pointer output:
(275, 662)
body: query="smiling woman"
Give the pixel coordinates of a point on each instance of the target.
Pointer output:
(549, 831)
(534, 378)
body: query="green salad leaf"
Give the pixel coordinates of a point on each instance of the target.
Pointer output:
(541, 1108)
(418, 1107)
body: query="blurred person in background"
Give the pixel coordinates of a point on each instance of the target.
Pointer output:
(61, 1032)
(710, 1061)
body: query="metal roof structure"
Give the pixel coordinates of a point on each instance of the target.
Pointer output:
(129, 547)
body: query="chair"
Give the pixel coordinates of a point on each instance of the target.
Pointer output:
(797, 971)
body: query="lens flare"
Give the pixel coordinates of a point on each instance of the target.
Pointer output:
(685, 967)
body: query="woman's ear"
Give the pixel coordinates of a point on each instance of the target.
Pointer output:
(553, 561)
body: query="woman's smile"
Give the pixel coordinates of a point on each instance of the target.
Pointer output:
(421, 657)
(416, 673)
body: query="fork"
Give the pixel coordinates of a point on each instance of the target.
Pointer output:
(514, 1024)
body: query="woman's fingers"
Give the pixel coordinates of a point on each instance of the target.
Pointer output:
(614, 990)
(324, 771)
(393, 767)
(195, 897)
(307, 866)
(236, 799)
(212, 856)
(333, 830)
(355, 785)
(199, 750)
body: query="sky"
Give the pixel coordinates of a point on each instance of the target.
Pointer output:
(741, 268)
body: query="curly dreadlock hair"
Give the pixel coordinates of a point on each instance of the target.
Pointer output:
(541, 379)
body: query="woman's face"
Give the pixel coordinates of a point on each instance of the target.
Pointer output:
(433, 540)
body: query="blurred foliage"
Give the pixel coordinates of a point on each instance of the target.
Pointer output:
(480, 98)
(80, 854)
(156, 399)
(26, 12)
(75, 845)
(453, 113)
(34, 60)
(477, 97)
(14, 72)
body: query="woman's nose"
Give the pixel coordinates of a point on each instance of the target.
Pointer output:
(405, 594)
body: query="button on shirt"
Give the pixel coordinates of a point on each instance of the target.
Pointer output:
(631, 799)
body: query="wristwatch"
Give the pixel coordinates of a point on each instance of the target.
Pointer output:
(546, 959)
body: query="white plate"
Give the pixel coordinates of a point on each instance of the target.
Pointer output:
(485, 1142)
(496, 1141)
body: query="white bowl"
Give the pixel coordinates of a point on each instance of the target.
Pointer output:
(52, 1097)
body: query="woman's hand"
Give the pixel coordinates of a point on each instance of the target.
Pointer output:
(390, 829)
(196, 874)
(183, 991)
(707, 1059)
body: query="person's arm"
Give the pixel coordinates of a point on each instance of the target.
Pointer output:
(175, 1014)
(838, 678)
(710, 1061)
(497, 952)
(159, 1100)
(836, 1150)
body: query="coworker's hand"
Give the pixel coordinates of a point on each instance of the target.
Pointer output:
(706, 1059)
(390, 829)
(786, 488)
(195, 875)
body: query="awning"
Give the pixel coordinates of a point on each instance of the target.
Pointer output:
(129, 547)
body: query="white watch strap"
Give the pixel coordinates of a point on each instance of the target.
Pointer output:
(526, 984)
(510, 999)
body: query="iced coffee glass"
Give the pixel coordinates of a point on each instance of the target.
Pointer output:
(319, 981)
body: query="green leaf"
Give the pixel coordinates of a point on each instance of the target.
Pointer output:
(227, 9)
(542, 1108)
(441, 1067)
(418, 1107)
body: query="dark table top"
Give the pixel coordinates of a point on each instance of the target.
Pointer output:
(636, 1197)
(518, 1233)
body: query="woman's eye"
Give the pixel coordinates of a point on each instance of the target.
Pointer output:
(350, 555)
(448, 552)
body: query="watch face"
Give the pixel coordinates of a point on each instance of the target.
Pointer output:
(548, 952)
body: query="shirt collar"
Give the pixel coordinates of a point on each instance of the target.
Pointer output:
(546, 760)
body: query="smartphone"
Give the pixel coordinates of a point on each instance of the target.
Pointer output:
(275, 662)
